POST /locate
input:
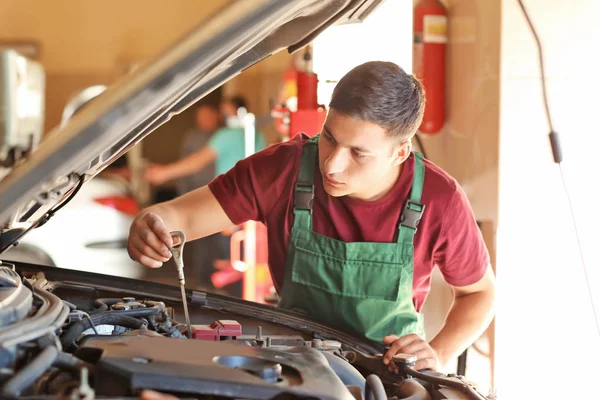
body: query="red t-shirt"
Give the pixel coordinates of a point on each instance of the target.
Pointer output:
(261, 188)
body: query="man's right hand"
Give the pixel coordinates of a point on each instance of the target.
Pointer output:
(197, 214)
(149, 240)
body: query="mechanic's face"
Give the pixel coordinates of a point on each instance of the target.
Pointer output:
(357, 158)
(207, 118)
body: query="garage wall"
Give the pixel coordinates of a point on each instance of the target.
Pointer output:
(84, 43)
(467, 147)
(543, 299)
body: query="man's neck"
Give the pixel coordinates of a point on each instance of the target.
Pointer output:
(378, 192)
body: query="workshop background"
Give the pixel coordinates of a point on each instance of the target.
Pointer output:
(494, 142)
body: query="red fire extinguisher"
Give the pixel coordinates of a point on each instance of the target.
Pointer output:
(430, 37)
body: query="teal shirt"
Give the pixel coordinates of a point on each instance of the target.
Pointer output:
(229, 145)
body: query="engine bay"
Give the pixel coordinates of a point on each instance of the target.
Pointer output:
(66, 334)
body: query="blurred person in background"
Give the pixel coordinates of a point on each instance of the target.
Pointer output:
(207, 122)
(229, 110)
(224, 148)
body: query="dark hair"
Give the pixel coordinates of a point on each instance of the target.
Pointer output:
(384, 94)
(239, 102)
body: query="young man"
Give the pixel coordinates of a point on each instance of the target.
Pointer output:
(356, 221)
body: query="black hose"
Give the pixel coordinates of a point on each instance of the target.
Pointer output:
(105, 302)
(374, 388)
(100, 306)
(66, 201)
(106, 318)
(345, 371)
(136, 312)
(71, 306)
(32, 371)
(463, 387)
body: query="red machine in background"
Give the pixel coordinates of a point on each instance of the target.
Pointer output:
(248, 248)
(430, 36)
(299, 109)
(299, 112)
(248, 262)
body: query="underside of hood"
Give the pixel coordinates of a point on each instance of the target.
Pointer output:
(238, 36)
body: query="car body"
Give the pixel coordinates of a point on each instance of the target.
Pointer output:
(108, 208)
(74, 334)
(106, 204)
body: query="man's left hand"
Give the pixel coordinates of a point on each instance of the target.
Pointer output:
(410, 344)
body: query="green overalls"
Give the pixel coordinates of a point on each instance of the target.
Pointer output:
(363, 288)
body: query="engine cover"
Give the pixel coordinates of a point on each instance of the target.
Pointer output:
(125, 365)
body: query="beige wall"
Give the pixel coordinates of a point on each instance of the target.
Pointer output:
(85, 42)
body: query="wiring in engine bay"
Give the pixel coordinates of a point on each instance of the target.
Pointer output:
(64, 339)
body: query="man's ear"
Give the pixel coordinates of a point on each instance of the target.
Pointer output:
(401, 152)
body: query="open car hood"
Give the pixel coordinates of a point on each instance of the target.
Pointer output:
(239, 35)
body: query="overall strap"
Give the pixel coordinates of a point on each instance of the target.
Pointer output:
(304, 191)
(413, 208)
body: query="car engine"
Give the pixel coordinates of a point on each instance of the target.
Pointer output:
(64, 335)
